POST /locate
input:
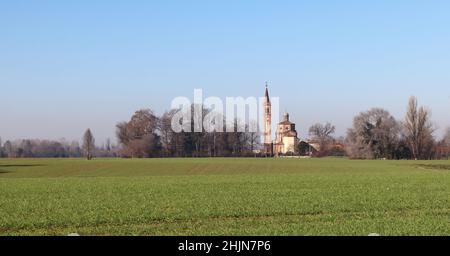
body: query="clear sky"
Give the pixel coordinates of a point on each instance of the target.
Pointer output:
(69, 65)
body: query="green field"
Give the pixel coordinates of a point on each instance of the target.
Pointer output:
(224, 197)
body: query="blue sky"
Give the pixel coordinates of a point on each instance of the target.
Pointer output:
(69, 65)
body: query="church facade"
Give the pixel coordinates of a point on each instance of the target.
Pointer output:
(286, 137)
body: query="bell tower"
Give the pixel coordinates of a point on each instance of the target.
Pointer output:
(268, 144)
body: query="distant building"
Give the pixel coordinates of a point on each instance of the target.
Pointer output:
(286, 140)
(287, 143)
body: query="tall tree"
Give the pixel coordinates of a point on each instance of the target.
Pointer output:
(88, 144)
(418, 129)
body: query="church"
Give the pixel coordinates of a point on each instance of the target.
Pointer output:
(286, 140)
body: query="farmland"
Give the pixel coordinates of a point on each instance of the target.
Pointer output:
(224, 196)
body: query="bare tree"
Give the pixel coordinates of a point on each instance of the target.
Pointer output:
(88, 144)
(323, 135)
(418, 129)
(253, 136)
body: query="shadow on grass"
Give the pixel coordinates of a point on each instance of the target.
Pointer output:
(434, 166)
(3, 171)
(21, 165)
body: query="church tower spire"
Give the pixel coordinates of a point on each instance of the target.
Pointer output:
(268, 147)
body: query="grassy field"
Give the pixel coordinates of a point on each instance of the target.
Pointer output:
(224, 197)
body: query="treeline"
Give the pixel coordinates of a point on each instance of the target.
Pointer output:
(147, 135)
(53, 149)
(376, 134)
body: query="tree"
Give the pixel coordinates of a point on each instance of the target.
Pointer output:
(1, 148)
(323, 135)
(27, 148)
(122, 133)
(138, 137)
(375, 134)
(88, 144)
(74, 149)
(418, 130)
(108, 145)
(9, 151)
(167, 138)
(253, 136)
